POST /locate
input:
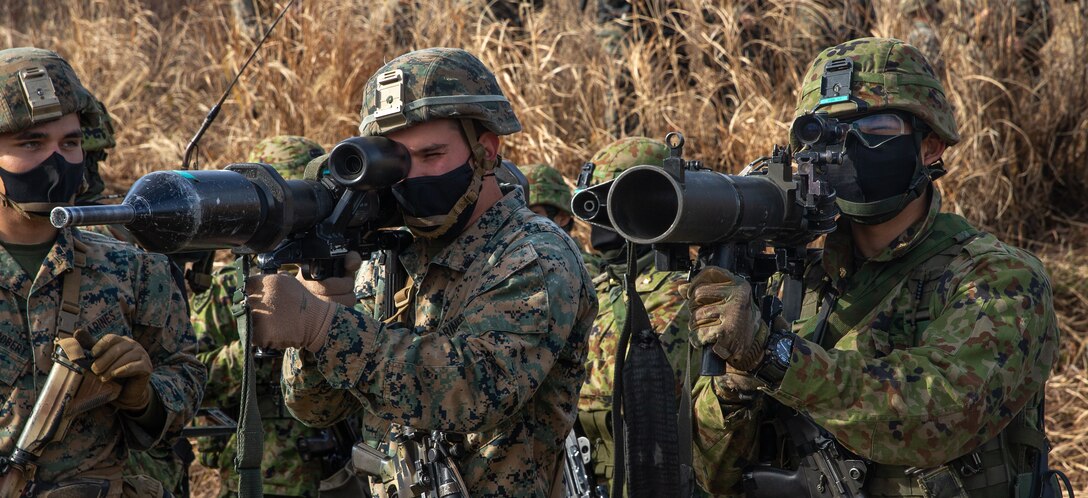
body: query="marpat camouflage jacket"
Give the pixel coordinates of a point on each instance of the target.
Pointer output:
(123, 291)
(496, 351)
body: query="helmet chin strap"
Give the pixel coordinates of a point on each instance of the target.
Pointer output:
(476, 149)
(32, 210)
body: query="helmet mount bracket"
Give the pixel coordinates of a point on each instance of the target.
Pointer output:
(41, 96)
(390, 113)
(836, 81)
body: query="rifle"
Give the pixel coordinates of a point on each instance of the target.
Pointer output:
(824, 467)
(422, 465)
(66, 393)
(332, 446)
(576, 480)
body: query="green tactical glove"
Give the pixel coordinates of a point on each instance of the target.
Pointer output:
(724, 317)
(286, 315)
(124, 360)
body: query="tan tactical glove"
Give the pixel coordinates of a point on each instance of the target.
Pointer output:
(122, 359)
(724, 316)
(340, 290)
(736, 387)
(286, 315)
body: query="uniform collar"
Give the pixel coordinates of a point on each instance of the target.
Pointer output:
(459, 254)
(839, 252)
(57, 261)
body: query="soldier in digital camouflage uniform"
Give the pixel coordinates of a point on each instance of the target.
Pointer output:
(166, 462)
(932, 361)
(285, 473)
(489, 339)
(124, 298)
(658, 291)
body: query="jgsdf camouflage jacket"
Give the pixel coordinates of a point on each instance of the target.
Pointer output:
(285, 473)
(496, 351)
(123, 291)
(904, 389)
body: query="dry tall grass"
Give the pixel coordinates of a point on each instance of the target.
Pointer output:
(1020, 170)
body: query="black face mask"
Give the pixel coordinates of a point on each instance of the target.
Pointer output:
(875, 174)
(427, 196)
(54, 181)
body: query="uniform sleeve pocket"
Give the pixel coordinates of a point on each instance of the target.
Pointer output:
(499, 271)
(517, 297)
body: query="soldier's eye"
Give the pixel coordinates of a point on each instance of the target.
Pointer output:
(882, 124)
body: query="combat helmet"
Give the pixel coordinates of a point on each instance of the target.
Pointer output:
(624, 153)
(435, 83)
(38, 86)
(546, 186)
(287, 154)
(887, 74)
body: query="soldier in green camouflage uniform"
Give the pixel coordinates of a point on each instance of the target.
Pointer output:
(939, 337)
(549, 195)
(285, 473)
(123, 297)
(489, 339)
(658, 291)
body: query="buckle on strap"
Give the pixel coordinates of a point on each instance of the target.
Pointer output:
(938, 482)
(970, 464)
(836, 81)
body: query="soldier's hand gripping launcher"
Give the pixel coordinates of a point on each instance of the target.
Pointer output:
(251, 209)
(731, 218)
(66, 394)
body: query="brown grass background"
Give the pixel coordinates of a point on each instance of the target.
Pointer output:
(1020, 170)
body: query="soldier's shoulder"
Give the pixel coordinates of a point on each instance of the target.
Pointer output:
(653, 280)
(106, 251)
(544, 236)
(987, 257)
